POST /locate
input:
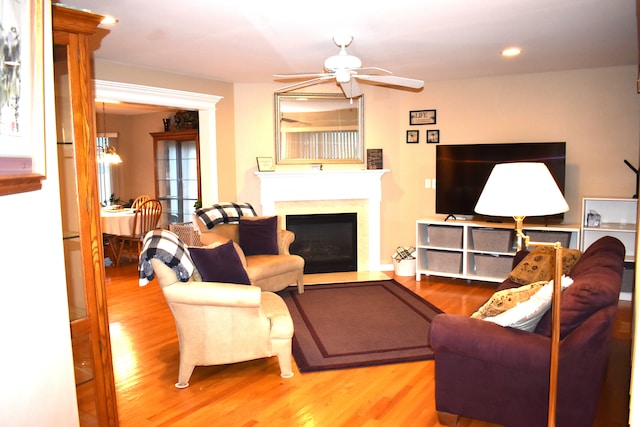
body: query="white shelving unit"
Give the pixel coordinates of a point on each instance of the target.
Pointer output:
(476, 250)
(618, 219)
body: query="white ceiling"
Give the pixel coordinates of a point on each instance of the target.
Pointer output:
(250, 40)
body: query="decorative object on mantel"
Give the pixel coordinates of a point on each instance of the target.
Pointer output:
(374, 158)
(422, 117)
(433, 136)
(167, 124)
(413, 136)
(265, 164)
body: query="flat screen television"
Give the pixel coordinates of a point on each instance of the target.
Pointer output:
(462, 170)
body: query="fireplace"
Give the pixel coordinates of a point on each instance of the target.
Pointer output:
(327, 242)
(330, 191)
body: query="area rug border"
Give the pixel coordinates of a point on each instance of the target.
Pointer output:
(335, 361)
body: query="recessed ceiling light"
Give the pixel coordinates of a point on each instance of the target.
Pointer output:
(108, 20)
(511, 51)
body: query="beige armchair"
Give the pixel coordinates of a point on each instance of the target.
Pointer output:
(268, 272)
(221, 323)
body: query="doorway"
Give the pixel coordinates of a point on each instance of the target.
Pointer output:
(203, 103)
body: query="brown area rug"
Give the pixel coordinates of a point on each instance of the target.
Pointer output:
(349, 325)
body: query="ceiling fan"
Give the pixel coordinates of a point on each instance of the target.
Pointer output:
(347, 71)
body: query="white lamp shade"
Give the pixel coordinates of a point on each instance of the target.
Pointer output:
(521, 189)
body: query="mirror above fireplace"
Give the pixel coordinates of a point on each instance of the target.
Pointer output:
(318, 128)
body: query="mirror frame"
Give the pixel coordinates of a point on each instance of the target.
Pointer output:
(358, 157)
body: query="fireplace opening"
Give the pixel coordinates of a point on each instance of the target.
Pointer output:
(327, 242)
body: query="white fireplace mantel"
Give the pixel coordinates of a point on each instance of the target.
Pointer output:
(296, 186)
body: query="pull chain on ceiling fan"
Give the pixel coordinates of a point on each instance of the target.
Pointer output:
(347, 71)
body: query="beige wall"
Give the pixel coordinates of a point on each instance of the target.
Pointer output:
(595, 111)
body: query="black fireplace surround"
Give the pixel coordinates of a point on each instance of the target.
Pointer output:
(327, 242)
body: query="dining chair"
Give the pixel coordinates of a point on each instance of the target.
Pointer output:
(140, 200)
(146, 218)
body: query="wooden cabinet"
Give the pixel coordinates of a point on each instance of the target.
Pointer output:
(84, 260)
(478, 250)
(177, 173)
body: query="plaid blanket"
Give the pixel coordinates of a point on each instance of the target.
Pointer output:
(167, 247)
(224, 213)
(404, 253)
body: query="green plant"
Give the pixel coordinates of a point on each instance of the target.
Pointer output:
(198, 204)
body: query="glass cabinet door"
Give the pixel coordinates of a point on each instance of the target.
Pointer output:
(82, 239)
(177, 174)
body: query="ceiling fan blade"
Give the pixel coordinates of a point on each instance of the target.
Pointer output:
(372, 71)
(301, 76)
(393, 81)
(304, 84)
(351, 89)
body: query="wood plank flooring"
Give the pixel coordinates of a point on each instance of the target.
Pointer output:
(145, 353)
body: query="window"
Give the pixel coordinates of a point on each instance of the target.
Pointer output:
(177, 174)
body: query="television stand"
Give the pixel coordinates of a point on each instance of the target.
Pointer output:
(477, 250)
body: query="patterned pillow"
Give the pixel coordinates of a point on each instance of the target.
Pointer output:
(538, 265)
(502, 301)
(527, 314)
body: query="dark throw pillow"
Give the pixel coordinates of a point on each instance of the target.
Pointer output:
(258, 236)
(220, 264)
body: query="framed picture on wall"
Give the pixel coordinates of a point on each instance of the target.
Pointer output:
(422, 117)
(413, 136)
(265, 164)
(433, 136)
(22, 145)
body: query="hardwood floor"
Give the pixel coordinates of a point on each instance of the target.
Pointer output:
(145, 357)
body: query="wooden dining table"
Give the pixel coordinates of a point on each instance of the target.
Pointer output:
(116, 222)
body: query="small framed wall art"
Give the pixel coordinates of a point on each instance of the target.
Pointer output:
(433, 136)
(374, 158)
(265, 164)
(413, 136)
(422, 117)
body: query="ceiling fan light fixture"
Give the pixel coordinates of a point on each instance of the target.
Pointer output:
(343, 76)
(341, 62)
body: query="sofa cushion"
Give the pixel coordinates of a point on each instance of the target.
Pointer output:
(502, 301)
(538, 265)
(220, 264)
(259, 236)
(597, 278)
(527, 314)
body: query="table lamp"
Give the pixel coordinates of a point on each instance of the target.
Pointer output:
(519, 190)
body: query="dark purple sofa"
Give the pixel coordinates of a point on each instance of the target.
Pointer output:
(501, 375)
